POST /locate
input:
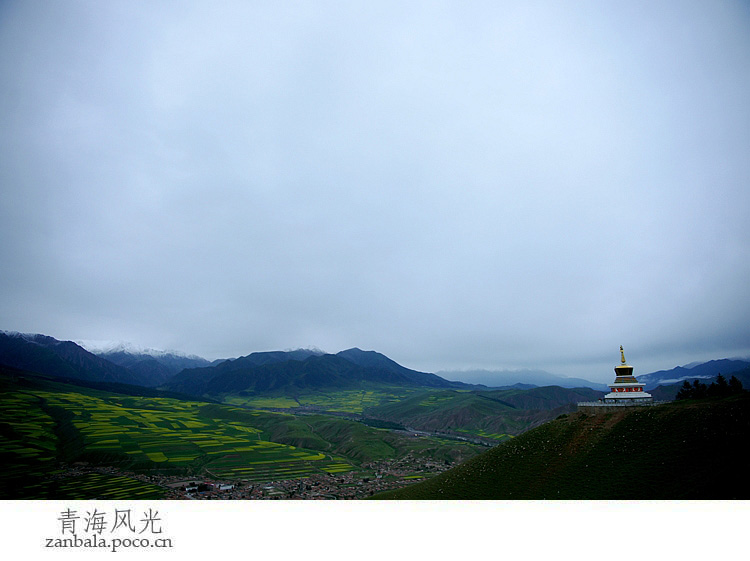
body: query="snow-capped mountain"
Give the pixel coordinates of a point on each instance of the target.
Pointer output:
(109, 347)
(46, 355)
(157, 364)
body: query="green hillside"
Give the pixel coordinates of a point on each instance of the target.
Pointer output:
(289, 374)
(47, 425)
(497, 414)
(684, 450)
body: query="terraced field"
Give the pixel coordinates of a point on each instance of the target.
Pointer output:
(263, 402)
(484, 434)
(38, 428)
(93, 486)
(47, 426)
(28, 443)
(341, 401)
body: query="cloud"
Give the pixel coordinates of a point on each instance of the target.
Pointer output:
(485, 186)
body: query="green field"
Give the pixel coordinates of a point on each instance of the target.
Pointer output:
(175, 436)
(92, 486)
(28, 442)
(43, 423)
(484, 434)
(39, 427)
(340, 401)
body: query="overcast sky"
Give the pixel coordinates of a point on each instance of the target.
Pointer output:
(457, 185)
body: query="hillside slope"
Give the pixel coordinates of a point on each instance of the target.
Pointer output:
(287, 373)
(157, 367)
(492, 412)
(683, 450)
(62, 359)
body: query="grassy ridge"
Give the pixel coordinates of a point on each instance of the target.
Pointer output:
(685, 450)
(495, 414)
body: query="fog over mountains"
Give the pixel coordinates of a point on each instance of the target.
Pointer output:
(502, 378)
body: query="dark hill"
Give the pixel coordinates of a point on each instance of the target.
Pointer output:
(157, 367)
(289, 372)
(377, 361)
(145, 366)
(61, 359)
(326, 371)
(268, 357)
(682, 450)
(196, 380)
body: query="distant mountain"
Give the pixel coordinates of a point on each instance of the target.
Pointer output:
(197, 381)
(151, 364)
(668, 391)
(529, 378)
(374, 360)
(62, 359)
(701, 371)
(271, 357)
(675, 451)
(293, 371)
(145, 366)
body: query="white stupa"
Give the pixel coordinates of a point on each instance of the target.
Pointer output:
(626, 389)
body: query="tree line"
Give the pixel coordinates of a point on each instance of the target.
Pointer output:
(718, 388)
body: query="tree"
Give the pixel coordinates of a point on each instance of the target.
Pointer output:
(699, 389)
(718, 388)
(686, 391)
(722, 388)
(735, 386)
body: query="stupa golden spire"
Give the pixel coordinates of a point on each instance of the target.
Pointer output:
(626, 389)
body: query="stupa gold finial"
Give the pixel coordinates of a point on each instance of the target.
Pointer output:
(622, 355)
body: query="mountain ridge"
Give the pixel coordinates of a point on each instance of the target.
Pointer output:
(293, 371)
(151, 367)
(47, 355)
(528, 377)
(703, 370)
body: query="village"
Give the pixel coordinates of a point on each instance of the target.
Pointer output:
(371, 478)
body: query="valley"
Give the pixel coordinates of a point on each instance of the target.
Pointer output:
(49, 428)
(284, 424)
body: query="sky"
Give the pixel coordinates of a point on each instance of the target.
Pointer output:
(457, 185)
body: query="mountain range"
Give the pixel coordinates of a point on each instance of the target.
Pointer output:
(287, 372)
(524, 378)
(701, 371)
(153, 365)
(63, 359)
